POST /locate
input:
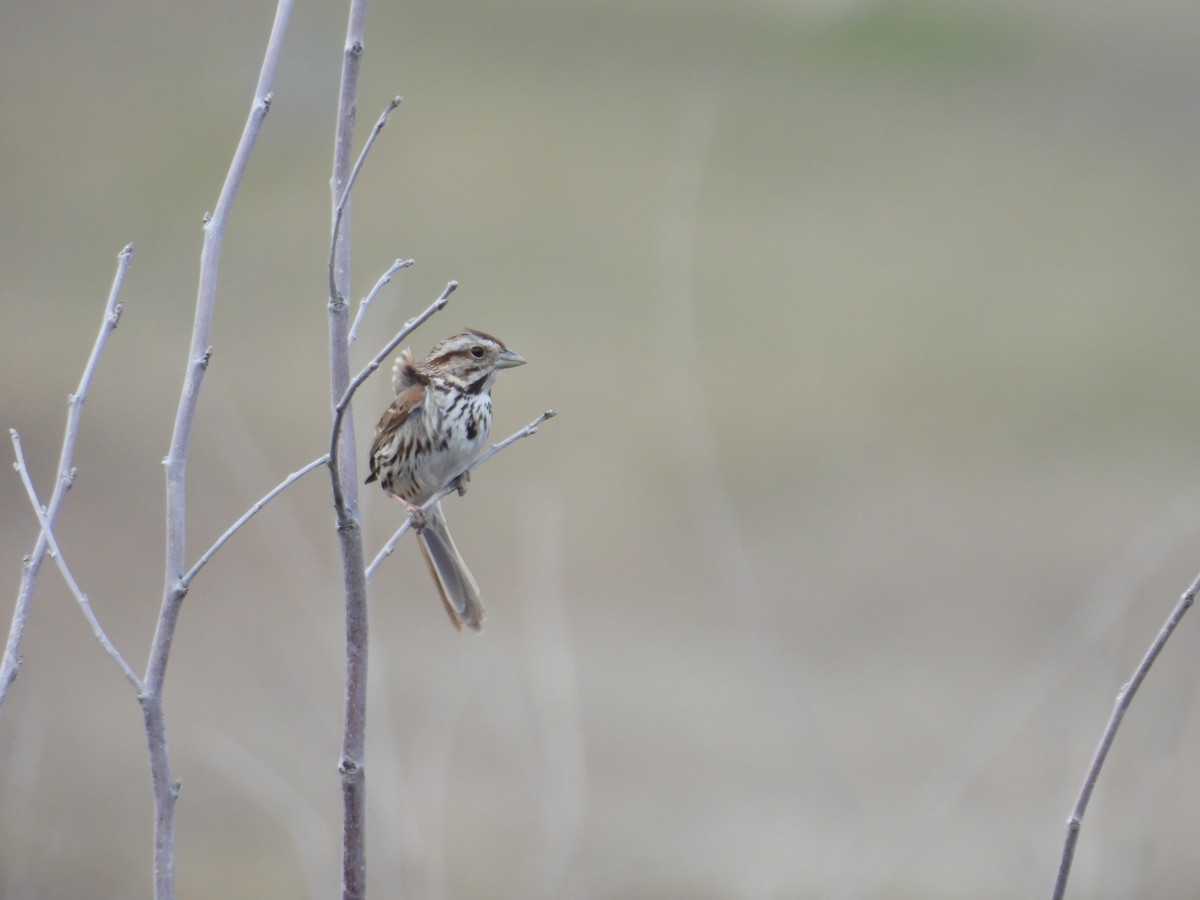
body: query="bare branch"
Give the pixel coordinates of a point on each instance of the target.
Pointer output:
(208, 554)
(56, 553)
(339, 210)
(11, 661)
(343, 473)
(1124, 699)
(366, 301)
(390, 547)
(165, 787)
(339, 411)
(200, 353)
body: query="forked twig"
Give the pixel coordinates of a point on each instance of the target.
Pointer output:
(56, 553)
(390, 547)
(1124, 699)
(339, 211)
(65, 475)
(366, 301)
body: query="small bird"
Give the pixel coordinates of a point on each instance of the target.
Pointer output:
(432, 431)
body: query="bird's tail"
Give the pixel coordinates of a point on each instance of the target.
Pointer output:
(459, 590)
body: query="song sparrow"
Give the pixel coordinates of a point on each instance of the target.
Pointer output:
(437, 424)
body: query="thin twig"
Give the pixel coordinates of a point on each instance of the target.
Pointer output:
(11, 661)
(366, 301)
(450, 486)
(339, 210)
(208, 554)
(343, 404)
(56, 553)
(1124, 699)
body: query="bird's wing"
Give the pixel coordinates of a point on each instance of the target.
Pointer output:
(407, 403)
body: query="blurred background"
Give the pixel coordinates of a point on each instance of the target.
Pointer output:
(871, 327)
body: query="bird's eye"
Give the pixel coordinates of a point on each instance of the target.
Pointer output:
(477, 352)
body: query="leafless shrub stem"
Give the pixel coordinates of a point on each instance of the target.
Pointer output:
(341, 205)
(1124, 699)
(165, 787)
(249, 514)
(343, 471)
(65, 476)
(366, 301)
(56, 552)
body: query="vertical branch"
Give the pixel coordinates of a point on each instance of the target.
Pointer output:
(165, 787)
(344, 473)
(11, 660)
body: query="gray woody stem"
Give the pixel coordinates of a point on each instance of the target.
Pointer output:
(341, 207)
(65, 475)
(56, 552)
(344, 475)
(366, 301)
(1124, 699)
(208, 554)
(390, 546)
(165, 787)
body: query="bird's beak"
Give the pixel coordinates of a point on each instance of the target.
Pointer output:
(508, 359)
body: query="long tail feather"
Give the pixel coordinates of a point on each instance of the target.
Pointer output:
(459, 590)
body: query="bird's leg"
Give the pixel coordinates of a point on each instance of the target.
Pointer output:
(415, 513)
(460, 483)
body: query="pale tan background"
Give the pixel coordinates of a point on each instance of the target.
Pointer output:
(872, 328)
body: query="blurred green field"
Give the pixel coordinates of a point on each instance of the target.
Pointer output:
(871, 328)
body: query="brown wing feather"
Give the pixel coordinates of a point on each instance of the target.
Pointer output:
(409, 384)
(405, 404)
